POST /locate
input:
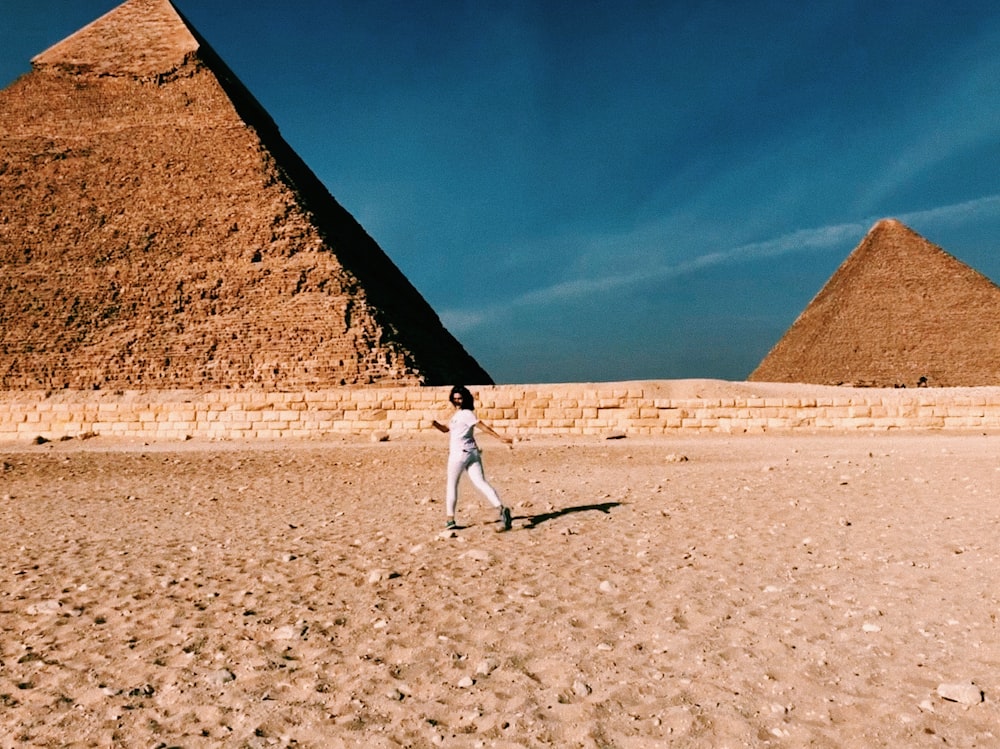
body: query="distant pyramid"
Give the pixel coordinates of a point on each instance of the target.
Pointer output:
(899, 311)
(156, 231)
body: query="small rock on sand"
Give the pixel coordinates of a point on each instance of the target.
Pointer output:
(966, 693)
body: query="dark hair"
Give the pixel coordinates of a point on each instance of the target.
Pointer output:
(468, 403)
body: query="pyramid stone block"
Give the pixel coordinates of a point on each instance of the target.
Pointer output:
(157, 232)
(899, 311)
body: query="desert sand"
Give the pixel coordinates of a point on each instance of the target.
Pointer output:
(704, 591)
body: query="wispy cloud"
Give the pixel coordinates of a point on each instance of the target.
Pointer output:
(958, 213)
(956, 116)
(803, 240)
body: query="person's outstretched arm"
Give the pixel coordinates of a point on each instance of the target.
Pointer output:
(486, 428)
(439, 426)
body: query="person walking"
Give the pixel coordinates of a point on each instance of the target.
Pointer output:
(464, 456)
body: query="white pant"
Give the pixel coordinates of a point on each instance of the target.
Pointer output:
(471, 461)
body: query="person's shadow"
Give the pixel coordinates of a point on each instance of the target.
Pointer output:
(535, 520)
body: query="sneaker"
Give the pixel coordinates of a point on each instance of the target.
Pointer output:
(450, 525)
(505, 519)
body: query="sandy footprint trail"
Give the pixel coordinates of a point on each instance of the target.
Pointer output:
(768, 591)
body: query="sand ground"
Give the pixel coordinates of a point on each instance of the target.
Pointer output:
(780, 591)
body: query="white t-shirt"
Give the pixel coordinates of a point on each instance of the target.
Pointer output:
(460, 428)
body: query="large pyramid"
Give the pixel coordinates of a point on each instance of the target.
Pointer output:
(899, 311)
(156, 231)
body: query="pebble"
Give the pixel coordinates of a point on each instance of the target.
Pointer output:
(289, 632)
(465, 682)
(43, 607)
(485, 668)
(581, 688)
(675, 458)
(607, 586)
(966, 693)
(378, 575)
(222, 676)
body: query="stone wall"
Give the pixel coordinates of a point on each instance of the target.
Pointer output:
(636, 409)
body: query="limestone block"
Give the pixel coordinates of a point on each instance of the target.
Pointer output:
(975, 412)
(960, 422)
(563, 424)
(884, 423)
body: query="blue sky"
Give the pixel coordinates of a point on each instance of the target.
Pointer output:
(597, 190)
